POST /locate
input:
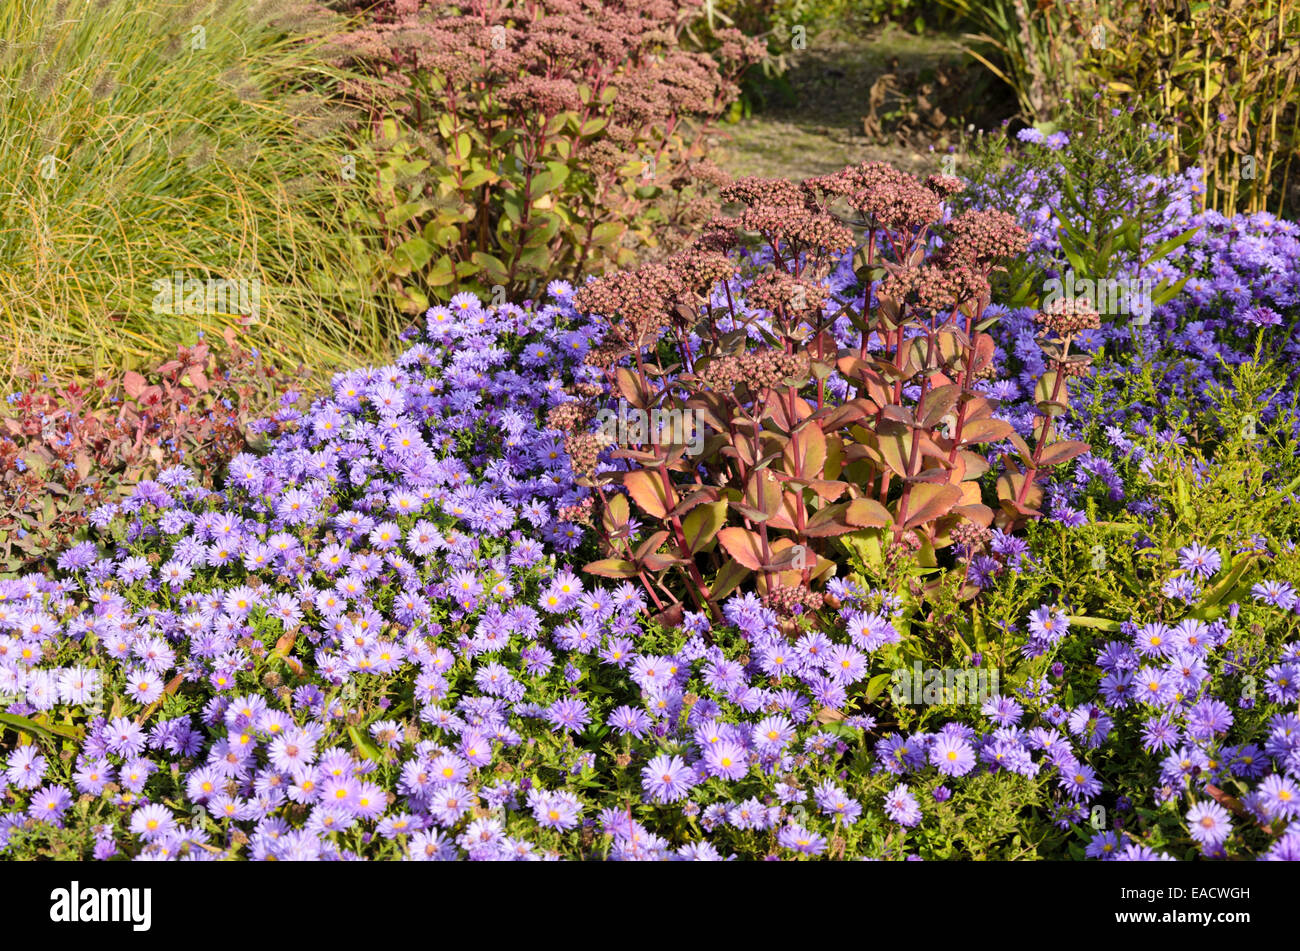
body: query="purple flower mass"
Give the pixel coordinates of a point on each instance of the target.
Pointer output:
(376, 639)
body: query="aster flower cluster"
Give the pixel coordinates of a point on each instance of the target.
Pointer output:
(1241, 279)
(1164, 708)
(362, 646)
(1174, 687)
(370, 642)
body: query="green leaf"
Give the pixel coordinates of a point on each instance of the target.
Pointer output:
(1165, 292)
(414, 254)
(1177, 241)
(877, 684)
(441, 236)
(702, 524)
(607, 233)
(729, 577)
(1100, 623)
(493, 267)
(1214, 595)
(478, 177)
(49, 730)
(442, 272)
(541, 229)
(1043, 395)
(559, 172)
(513, 205)
(535, 259)
(364, 746)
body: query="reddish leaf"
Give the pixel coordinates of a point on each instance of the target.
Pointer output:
(983, 355)
(1022, 447)
(1063, 451)
(650, 544)
(850, 412)
(629, 384)
(984, 430)
(611, 568)
(133, 383)
(937, 404)
(671, 616)
(647, 490)
(805, 453)
(699, 497)
(658, 561)
(929, 501)
(828, 521)
(898, 414)
(743, 545)
(867, 513)
(828, 490)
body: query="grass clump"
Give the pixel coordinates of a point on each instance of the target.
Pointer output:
(181, 138)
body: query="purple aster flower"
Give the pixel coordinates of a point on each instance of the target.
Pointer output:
(1209, 823)
(49, 804)
(666, 778)
(1279, 594)
(1103, 845)
(901, 807)
(952, 755)
(1279, 796)
(1200, 560)
(799, 839)
(1080, 781)
(1208, 718)
(26, 767)
(726, 759)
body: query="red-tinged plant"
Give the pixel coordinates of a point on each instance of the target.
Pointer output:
(1019, 491)
(519, 142)
(872, 435)
(66, 448)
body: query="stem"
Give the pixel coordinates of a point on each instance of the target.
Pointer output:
(1045, 437)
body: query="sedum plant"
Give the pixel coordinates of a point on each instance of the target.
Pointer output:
(515, 143)
(854, 416)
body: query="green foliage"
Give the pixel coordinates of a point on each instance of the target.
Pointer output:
(1040, 50)
(1099, 189)
(508, 161)
(1220, 78)
(140, 142)
(1232, 492)
(760, 15)
(1223, 76)
(1228, 487)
